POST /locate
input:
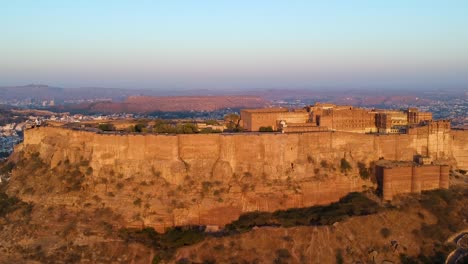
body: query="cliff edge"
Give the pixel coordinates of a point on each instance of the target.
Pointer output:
(171, 180)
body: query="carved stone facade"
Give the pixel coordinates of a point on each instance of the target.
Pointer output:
(321, 117)
(343, 118)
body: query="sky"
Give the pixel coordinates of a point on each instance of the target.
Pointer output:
(237, 44)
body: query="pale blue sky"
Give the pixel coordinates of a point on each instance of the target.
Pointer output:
(234, 44)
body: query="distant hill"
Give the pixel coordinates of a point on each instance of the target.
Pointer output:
(30, 91)
(148, 104)
(45, 92)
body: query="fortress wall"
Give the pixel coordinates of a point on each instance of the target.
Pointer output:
(199, 154)
(256, 171)
(430, 177)
(444, 177)
(257, 153)
(395, 146)
(412, 179)
(395, 181)
(435, 140)
(459, 148)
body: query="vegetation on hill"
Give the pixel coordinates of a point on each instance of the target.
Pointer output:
(166, 243)
(162, 126)
(159, 126)
(6, 168)
(212, 122)
(345, 165)
(32, 176)
(64, 178)
(451, 209)
(209, 130)
(10, 204)
(354, 204)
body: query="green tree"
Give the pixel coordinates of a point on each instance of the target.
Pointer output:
(106, 127)
(233, 122)
(140, 127)
(344, 165)
(265, 129)
(187, 128)
(163, 126)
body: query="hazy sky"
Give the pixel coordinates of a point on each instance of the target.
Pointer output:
(234, 44)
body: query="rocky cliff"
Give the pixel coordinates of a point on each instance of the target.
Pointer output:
(166, 180)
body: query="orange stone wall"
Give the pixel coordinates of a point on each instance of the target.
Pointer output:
(460, 147)
(226, 159)
(412, 179)
(252, 121)
(353, 120)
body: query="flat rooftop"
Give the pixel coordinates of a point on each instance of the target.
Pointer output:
(266, 110)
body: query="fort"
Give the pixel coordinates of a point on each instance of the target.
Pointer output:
(162, 180)
(324, 116)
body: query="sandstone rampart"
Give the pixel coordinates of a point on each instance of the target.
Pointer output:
(459, 147)
(411, 179)
(210, 179)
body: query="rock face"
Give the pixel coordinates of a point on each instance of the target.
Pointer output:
(166, 180)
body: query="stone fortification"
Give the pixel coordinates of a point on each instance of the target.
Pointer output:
(397, 178)
(459, 147)
(334, 117)
(344, 118)
(165, 180)
(253, 119)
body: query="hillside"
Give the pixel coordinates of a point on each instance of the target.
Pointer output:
(410, 230)
(81, 197)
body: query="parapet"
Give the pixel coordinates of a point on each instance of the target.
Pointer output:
(266, 110)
